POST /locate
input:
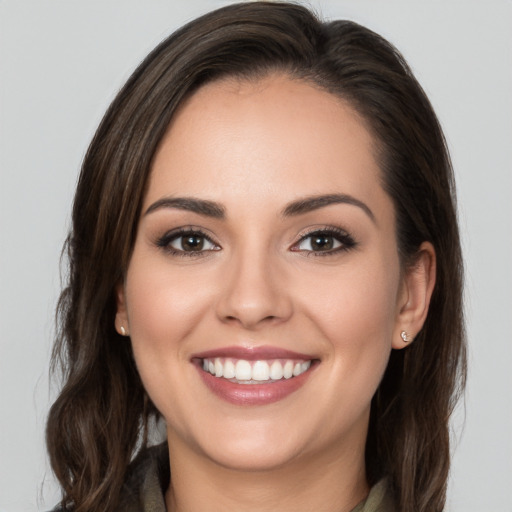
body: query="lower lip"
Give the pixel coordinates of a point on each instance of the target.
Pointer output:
(253, 394)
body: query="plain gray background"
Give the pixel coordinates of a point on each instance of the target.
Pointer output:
(61, 63)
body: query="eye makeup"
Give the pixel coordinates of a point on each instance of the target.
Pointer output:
(188, 241)
(324, 241)
(193, 241)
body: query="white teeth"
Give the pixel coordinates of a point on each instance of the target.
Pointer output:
(305, 366)
(255, 371)
(243, 370)
(229, 369)
(288, 370)
(218, 367)
(260, 371)
(276, 371)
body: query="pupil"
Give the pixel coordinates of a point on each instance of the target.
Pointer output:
(192, 243)
(322, 242)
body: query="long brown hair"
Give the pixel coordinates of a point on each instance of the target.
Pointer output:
(100, 419)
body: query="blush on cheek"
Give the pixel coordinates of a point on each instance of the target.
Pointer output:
(161, 305)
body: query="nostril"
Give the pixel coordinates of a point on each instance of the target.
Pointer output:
(233, 318)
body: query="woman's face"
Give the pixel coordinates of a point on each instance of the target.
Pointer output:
(265, 254)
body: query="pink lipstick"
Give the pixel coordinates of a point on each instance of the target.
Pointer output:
(253, 376)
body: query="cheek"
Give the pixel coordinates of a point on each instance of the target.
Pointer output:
(356, 302)
(163, 304)
(355, 310)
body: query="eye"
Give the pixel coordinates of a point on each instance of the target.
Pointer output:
(327, 241)
(192, 242)
(187, 243)
(319, 242)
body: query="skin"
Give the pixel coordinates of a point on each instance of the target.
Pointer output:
(254, 148)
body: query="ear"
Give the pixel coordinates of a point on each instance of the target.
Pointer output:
(121, 321)
(414, 298)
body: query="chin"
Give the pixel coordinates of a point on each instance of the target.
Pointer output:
(252, 457)
(256, 445)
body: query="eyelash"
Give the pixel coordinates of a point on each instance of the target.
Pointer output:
(347, 241)
(165, 241)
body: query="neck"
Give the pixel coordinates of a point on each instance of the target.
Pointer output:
(329, 482)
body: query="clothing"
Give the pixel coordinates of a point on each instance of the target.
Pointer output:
(146, 483)
(379, 500)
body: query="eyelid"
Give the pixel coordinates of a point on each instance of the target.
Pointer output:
(346, 240)
(188, 235)
(164, 241)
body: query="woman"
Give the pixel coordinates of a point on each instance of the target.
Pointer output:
(264, 254)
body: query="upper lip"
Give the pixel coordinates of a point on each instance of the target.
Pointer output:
(252, 353)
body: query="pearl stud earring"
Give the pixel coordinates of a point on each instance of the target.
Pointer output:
(405, 337)
(123, 330)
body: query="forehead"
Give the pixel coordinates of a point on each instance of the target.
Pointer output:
(269, 138)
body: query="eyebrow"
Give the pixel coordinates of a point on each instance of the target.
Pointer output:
(310, 203)
(297, 207)
(191, 204)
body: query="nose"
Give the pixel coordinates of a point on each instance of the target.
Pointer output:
(254, 292)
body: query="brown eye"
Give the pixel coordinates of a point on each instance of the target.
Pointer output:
(319, 242)
(191, 242)
(186, 242)
(322, 242)
(328, 241)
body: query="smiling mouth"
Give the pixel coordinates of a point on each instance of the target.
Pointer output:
(242, 371)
